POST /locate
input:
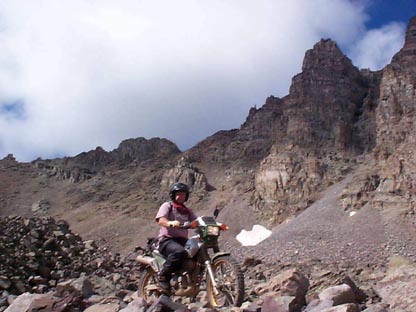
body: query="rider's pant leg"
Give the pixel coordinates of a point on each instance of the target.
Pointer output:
(173, 250)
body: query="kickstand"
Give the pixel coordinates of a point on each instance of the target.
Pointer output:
(166, 301)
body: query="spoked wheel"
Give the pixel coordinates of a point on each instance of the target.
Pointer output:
(148, 288)
(230, 283)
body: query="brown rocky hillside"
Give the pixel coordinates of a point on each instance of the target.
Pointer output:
(336, 120)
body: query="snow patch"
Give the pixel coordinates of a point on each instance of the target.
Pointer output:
(253, 237)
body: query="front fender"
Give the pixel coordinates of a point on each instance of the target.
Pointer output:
(219, 254)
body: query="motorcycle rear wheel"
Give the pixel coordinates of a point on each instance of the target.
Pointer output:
(230, 281)
(148, 287)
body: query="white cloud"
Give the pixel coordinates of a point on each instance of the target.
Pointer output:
(376, 48)
(96, 72)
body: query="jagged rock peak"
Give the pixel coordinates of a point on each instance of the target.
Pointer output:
(141, 148)
(139, 142)
(325, 53)
(92, 160)
(272, 104)
(410, 40)
(9, 158)
(405, 59)
(129, 152)
(8, 161)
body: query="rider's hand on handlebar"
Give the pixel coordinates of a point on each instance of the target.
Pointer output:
(175, 223)
(193, 224)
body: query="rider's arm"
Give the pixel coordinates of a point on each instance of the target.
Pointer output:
(162, 217)
(166, 223)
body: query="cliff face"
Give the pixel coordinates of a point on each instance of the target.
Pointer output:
(335, 120)
(317, 141)
(394, 161)
(396, 105)
(325, 101)
(291, 149)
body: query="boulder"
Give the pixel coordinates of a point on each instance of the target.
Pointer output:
(378, 307)
(81, 285)
(349, 307)
(280, 304)
(397, 289)
(107, 305)
(30, 302)
(137, 305)
(41, 206)
(5, 283)
(319, 305)
(340, 294)
(288, 283)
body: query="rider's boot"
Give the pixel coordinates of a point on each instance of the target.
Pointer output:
(164, 281)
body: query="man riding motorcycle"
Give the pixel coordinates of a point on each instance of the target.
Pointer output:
(172, 237)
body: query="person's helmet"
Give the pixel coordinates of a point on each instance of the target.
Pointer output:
(179, 187)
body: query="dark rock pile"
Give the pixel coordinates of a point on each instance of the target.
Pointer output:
(36, 254)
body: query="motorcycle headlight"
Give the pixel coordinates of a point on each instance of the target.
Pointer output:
(213, 230)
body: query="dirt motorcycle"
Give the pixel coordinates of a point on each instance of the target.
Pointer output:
(206, 268)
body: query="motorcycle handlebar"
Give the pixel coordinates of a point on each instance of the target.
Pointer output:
(186, 225)
(189, 225)
(194, 224)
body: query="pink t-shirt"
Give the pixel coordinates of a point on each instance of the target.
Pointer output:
(171, 213)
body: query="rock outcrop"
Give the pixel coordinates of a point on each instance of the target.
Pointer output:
(185, 172)
(8, 161)
(131, 152)
(390, 183)
(325, 101)
(317, 139)
(397, 288)
(286, 182)
(396, 130)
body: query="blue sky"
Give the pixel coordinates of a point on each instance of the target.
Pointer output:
(78, 74)
(384, 11)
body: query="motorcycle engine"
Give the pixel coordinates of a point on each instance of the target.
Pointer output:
(188, 266)
(185, 282)
(181, 278)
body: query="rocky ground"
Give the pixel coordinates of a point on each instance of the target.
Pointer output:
(46, 267)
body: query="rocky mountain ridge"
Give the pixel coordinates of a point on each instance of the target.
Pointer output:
(336, 119)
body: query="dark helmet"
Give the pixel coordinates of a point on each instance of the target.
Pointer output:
(178, 187)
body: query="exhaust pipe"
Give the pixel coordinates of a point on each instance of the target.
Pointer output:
(146, 260)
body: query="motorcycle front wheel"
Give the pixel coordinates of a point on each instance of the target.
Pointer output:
(148, 289)
(230, 283)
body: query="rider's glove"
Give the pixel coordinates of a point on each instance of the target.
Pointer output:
(175, 223)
